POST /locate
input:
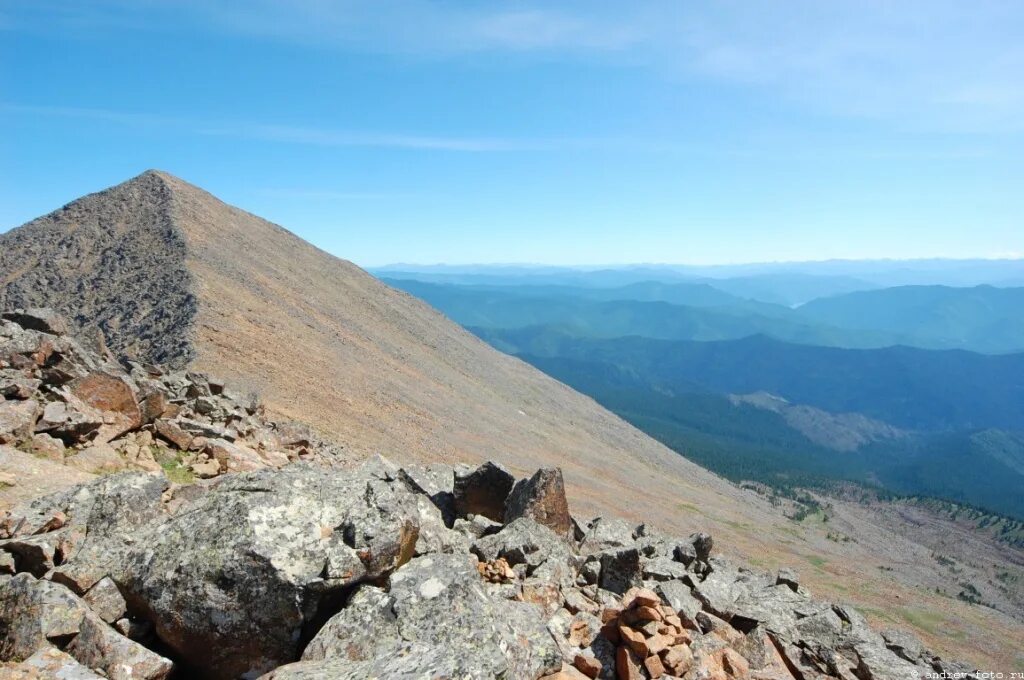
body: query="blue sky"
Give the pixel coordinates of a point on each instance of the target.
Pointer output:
(547, 132)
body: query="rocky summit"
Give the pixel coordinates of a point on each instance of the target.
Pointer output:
(184, 534)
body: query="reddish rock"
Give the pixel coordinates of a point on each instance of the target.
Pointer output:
(110, 395)
(171, 432)
(587, 665)
(634, 639)
(654, 666)
(153, 406)
(628, 664)
(542, 499)
(640, 597)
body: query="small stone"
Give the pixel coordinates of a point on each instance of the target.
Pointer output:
(679, 659)
(105, 599)
(587, 665)
(628, 664)
(654, 666)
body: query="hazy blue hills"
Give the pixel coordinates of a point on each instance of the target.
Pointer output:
(789, 288)
(985, 318)
(980, 319)
(687, 406)
(903, 386)
(608, 313)
(917, 389)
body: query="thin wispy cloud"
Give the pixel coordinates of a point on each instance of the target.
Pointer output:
(933, 63)
(291, 134)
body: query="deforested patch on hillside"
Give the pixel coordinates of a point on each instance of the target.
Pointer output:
(112, 262)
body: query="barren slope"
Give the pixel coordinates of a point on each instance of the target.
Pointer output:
(171, 273)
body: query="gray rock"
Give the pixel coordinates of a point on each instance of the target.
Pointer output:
(774, 609)
(39, 554)
(236, 578)
(606, 533)
(663, 569)
(903, 644)
(590, 570)
(789, 578)
(476, 526)
(106, 600)
(35, 615)
(684, 553)
(718, 592)
(437, 482)
(53, 663)
(620, 569)
(483, 491)
(544, 554)
(702, 544)
(677, 595)
(17, 421)
(108, 510)
(99, 646)
(437, 617)
(875, 662)
(42, 319)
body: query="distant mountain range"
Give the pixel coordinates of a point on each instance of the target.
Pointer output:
(981, 319)
(917, 389)
(788, 283)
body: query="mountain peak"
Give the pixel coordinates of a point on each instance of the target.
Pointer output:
(170, 274)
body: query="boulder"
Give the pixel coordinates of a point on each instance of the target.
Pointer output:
(542, 499)
(787, 577)
(71, 421)
(106, 510)
(97, 458)
(114, 397)
(234, 457)
(41, 319)
(236, 578)
(437, 482)
(99, 646)
(35, 615)
(49, 663)
(605, 533)
(483, 491)
(17, 421)
(620, 569)
(106, 600)
(18, 386)
(677, 595)
(437, 606)
(48, 447)
(542, 553)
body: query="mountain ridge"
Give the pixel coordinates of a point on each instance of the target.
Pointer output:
(380, 372)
